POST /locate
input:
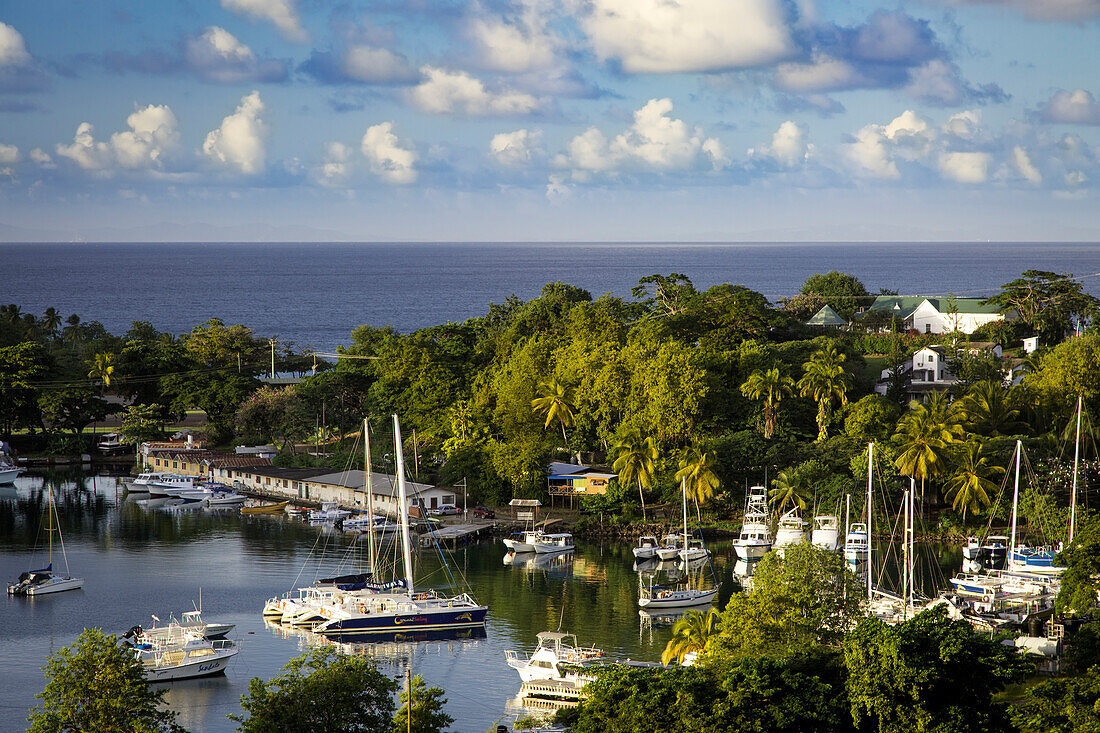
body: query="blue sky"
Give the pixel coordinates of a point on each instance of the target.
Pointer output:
(519, 120)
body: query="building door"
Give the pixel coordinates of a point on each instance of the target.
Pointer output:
(435, 501)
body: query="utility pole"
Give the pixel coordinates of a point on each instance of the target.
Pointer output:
(465, 510)
(408, 700)
(272, 341)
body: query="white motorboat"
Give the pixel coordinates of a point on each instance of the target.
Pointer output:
(183, 654)
(8, 472)
(189, 621)
(382, 527)
(693, 552)
(44, 581)
(225, 498)
(111, 444)
(523, 541)
(173, 485)
(554, 648)
(855, 546)
(141, 484)
(646, 548)
(670, 546)
(826, 532)
(330, 511)
(547, 543)
(791, 529)
(755, 539)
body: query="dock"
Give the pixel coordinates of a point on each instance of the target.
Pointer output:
(453, 535)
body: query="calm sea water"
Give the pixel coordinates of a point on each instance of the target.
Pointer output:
(314, 294)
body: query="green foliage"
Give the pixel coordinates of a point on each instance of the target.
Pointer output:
(20, 366)
(791, 487)
(554, 403)
(754, 695)
(1048, 302)
(697, 470)
(1081, 578)
(1069, 370)
(803, 601)
(871, 418)
(635, 461)
(95, 685)
(988, 410)
(1070, 705)
(690, 633)
(973, 481)
(322, 690)
(844, 292)
(273, 415)
(426, 714)
(825, 379)
(218, 395)
(768, 388)
(927, 674)
(141, 423)
(926, 436)
(72, 408)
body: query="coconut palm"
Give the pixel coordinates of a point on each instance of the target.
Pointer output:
(690, 634)
(927, 434)
(825, 379)
(51, 320)
(988, 412)
(973, 480)
(697, 468)
(790, 488)
(11, 313)
(635, 458)
(554, 403)
(768, 388)
(72, 330)
(102, 368)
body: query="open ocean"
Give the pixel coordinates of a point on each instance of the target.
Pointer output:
(313, 295)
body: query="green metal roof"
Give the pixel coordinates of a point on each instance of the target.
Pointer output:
(826, 317)
(903, 305)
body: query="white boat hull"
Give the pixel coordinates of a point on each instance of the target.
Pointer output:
(8, 475)
(826, 539)
(55, 585)
(678, 599)
(644, 553)
(544, 549)
(668, 553)
(751, 551)
(518, 546)
(204, 667)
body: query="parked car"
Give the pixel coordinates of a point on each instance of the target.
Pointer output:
(483, 512)
(444, 510)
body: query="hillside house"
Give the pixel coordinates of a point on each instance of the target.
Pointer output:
(570, 479)
(935, 314)
(929, 369)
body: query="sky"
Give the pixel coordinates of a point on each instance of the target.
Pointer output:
(531, 120)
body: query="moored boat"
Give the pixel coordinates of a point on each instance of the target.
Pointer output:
(276, 508)
(554, 648)
(646, 547)
(183, 655)
(755, 540)
(826, 532)
(791, 529)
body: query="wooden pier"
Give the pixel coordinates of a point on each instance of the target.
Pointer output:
(453, 535)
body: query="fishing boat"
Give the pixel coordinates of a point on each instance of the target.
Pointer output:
(183, 654)
(855, 544)
(8, 472)
(404, 607)
(791, 529)
(547, 543)
(44, 581)
(554, 648)
(755, 538)
(826, 532)
(276, 508)
(646, 547)
(188, 621)
(670, 546)
(111, 444)
(662, 596)
(523, 541)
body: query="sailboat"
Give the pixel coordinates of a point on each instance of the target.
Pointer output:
(1020, 557)
(658, 596)
(406, 609)
(43, 581)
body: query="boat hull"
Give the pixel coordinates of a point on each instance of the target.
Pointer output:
(751, 551)
(192, 670)
(55, 585)
(518, 546)
(679, 599)
(644, 553)
(368, 624)
(8, 475)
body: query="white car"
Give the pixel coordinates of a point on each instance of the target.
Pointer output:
(443, 510)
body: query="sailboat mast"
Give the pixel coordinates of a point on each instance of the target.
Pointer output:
(1015, 503)
(847, 518)
(905, 557)
(684, 487)
(370, 496)
(49, 518)
(403, 501)
(1076, 455)
(912, 539)
(870, 565)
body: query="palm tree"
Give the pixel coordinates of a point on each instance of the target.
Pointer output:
(969, 486)
(697, 468)
(768, 388)
(102, 368)
(635, 459)
(790, 488)
(690, 634)
(927, 434)
(51, 320)
(73, 329)
(825, 380)
(987, 410)
(554, 403)
(11, 313)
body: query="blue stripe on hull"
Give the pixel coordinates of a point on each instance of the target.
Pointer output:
(383, 624)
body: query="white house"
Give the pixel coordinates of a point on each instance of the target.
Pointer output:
(937, 315)
(929, 370)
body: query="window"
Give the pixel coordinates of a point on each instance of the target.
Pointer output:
(931, 358)
(175, 464)
(928, 328)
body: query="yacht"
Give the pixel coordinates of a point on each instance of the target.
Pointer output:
(43, 581)
(855, 546)
(140, 485)
(755, 539)
(655, 597)
(554, 648)
(173, 485)
(189, 621)
(182, 654)
(826, 532)
(546, 543)
(791, 529)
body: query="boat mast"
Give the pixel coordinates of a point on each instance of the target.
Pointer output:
(847, 519)
(684, 486)
(1015, 503)
(912, 538)
(403, 501)
(1076, 455)
(370, 497)
(905, 558)
(870, 565)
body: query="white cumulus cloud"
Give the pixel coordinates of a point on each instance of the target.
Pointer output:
(516, 44)
(788, 146)
(876, 148)
(336, 168)
(1021, 161)
(672, 36)
(456, 92)
(281, 13)
(824, 73)
(516, 148)
(239, 143)
(153, 137)
(217, 56)
(13, 49)
(41, 158)
(965, 167)
(656, 141)
(9, 154)
(389, 158)
(1076, 107)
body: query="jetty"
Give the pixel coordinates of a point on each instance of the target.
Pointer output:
(453, 535)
